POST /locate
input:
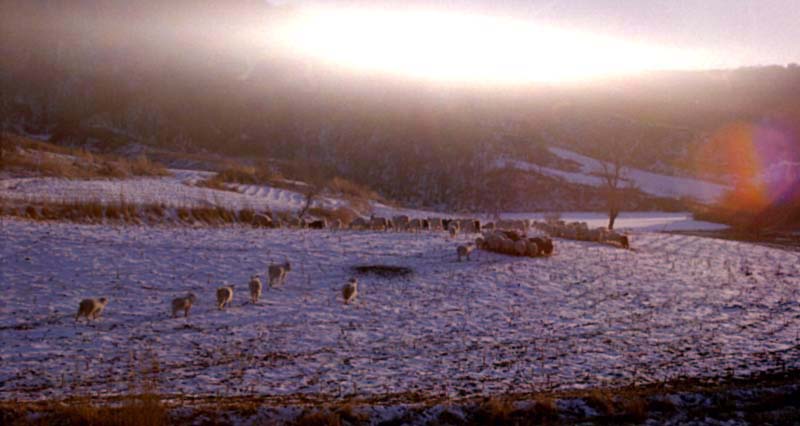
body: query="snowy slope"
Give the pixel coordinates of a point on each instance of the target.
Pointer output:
(590, 315)
(176, 191)
(648, 182)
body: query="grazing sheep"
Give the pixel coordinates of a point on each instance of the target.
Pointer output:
(469, 225)
(464, 250)
(620, 239)
(401, 222)
(518, 225)
(318, 224)
(446, 224)
(350, 290)
(507, 246)
(544, 246)
(453, 228)
(532, 248)
(255, 288)
(277, 273)
(91, 308)
(183, 304)
(520, 247)
(359, 223)
(379, 224)
(494, 242)
(224, 296)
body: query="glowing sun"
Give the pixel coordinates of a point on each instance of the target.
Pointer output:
(463, 48)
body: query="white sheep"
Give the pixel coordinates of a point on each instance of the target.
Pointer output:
(436, 223)
(453, 228)
(277, 273)
(183, 304)
(401, 222)
(255, 288)
(91, 308)
(350, 290)
(464, 250)
(224, 296)
(520, 247)
(379, 224)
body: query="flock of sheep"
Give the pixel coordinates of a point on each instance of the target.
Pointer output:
(504, 236)
(92, 308)
(580, 231)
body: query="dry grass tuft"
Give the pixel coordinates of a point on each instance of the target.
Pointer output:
(29, 157)
(339, 185)
(496, 411)
(601, 402)
(138, 410)
(318, 418)
(544, 408)
(245, 175)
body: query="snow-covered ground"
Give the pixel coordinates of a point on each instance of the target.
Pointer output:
(178, 190)
(589, 315)
(648, 182)
(630, 221)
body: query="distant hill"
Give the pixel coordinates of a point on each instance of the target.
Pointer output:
(182, 77)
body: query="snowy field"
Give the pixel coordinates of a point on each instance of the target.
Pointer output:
(174, 191)
(648, 182)
(589, 315)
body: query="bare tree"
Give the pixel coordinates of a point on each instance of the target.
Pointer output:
(614, 159)
(310, 193)
(613, 175)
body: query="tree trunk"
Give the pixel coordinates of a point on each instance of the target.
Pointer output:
(612, 216)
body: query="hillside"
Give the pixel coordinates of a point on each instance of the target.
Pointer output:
(426, 146)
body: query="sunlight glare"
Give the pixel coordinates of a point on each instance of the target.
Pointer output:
(462, 48)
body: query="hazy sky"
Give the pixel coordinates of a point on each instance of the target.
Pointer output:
(736, 32)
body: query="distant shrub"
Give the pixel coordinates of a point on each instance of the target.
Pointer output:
(30, 157)
(339, 185)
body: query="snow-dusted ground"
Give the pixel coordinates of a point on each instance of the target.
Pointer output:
(648, 182)
(177, 190)
(589, 315)
(630, 221)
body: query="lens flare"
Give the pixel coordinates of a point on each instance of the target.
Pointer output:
(762, 159)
